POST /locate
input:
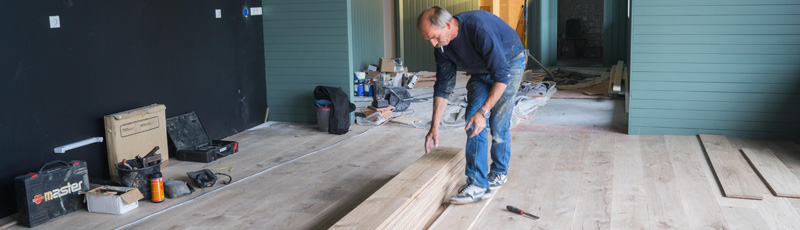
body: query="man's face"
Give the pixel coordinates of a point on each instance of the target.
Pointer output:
(437, 36)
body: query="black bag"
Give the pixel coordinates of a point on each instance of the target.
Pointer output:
(52, 192)
(340, 108)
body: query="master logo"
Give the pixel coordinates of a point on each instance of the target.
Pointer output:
(38, 199)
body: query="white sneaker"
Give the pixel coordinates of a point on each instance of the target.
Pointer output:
(495, 181)
(470, 193)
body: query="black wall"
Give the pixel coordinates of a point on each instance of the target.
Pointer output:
(111, 56)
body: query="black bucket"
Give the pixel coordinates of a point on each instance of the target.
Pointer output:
(138, 178)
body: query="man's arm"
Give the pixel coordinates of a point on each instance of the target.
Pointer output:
(439, 105)
(445, 83)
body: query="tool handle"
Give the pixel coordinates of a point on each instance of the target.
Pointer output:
(52, 163)
(514, 209)
(520, 211)
(152, 152)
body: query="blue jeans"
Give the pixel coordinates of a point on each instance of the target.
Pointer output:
(499, 122)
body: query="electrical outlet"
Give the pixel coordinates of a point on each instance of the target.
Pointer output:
(218, 13)
(255, 10)
(55, 22)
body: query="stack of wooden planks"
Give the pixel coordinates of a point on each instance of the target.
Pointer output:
(411, 199)
(738, 172)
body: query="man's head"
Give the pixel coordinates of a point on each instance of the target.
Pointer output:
(436, 25)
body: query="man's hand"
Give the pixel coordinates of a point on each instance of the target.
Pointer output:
(477, 122)
(431, 139)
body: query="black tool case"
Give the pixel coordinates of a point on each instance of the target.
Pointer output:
(188, 140)
(56, 189)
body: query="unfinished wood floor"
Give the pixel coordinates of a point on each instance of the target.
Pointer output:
(571, 180)
(615, 181)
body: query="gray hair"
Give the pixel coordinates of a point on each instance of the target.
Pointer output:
(439, 16)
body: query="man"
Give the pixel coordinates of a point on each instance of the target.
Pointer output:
(486, 46)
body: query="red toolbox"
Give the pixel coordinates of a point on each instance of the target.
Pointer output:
(55, 190)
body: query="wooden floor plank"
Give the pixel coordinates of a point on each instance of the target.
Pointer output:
(629, 200)
(532, 161)
(778, 213)
(716, 188)
(664, 200)
(699, 201)
(593, 210)
(787, 152)
(737, 178)
(740, 218)
(563, 189)
(461, 216)
(777, 176)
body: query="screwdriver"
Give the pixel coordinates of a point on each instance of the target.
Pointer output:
(520, 211)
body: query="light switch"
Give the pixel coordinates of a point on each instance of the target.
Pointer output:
(218, 13)
(255, 10)
(55, 22)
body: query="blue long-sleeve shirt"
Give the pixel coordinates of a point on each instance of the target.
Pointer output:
(485, 44)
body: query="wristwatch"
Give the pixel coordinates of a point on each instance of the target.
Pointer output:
(485, 113)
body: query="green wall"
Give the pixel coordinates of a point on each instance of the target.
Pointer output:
(615, 32)
(316, 42)
(542, 32)
(416, 52)
(729, 67)
(367, 33)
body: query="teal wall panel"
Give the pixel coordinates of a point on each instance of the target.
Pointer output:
(543, 32)
(367, 33)
(616, 26)
(416, 52)
(728, 67)
(306, 44)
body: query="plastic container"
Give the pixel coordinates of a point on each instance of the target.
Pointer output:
(360, 89)
(323, 117)
(138, 178)
(157, 187)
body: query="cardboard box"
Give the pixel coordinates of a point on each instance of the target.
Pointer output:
(386, 112)
(112, 199)
(372, 74)
(136, 132)
(391, 65)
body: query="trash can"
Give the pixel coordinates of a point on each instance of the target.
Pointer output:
(323, 116)
(138, 178)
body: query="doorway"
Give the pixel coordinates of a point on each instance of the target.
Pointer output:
(580, 33)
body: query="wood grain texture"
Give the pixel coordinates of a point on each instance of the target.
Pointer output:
(629, 198)
(664, 200)
(732, 171)
(561, 192)
(408, 200)
(534, 156)
(699, 201)
(778, 178)
(744, 218)
(593, 210)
